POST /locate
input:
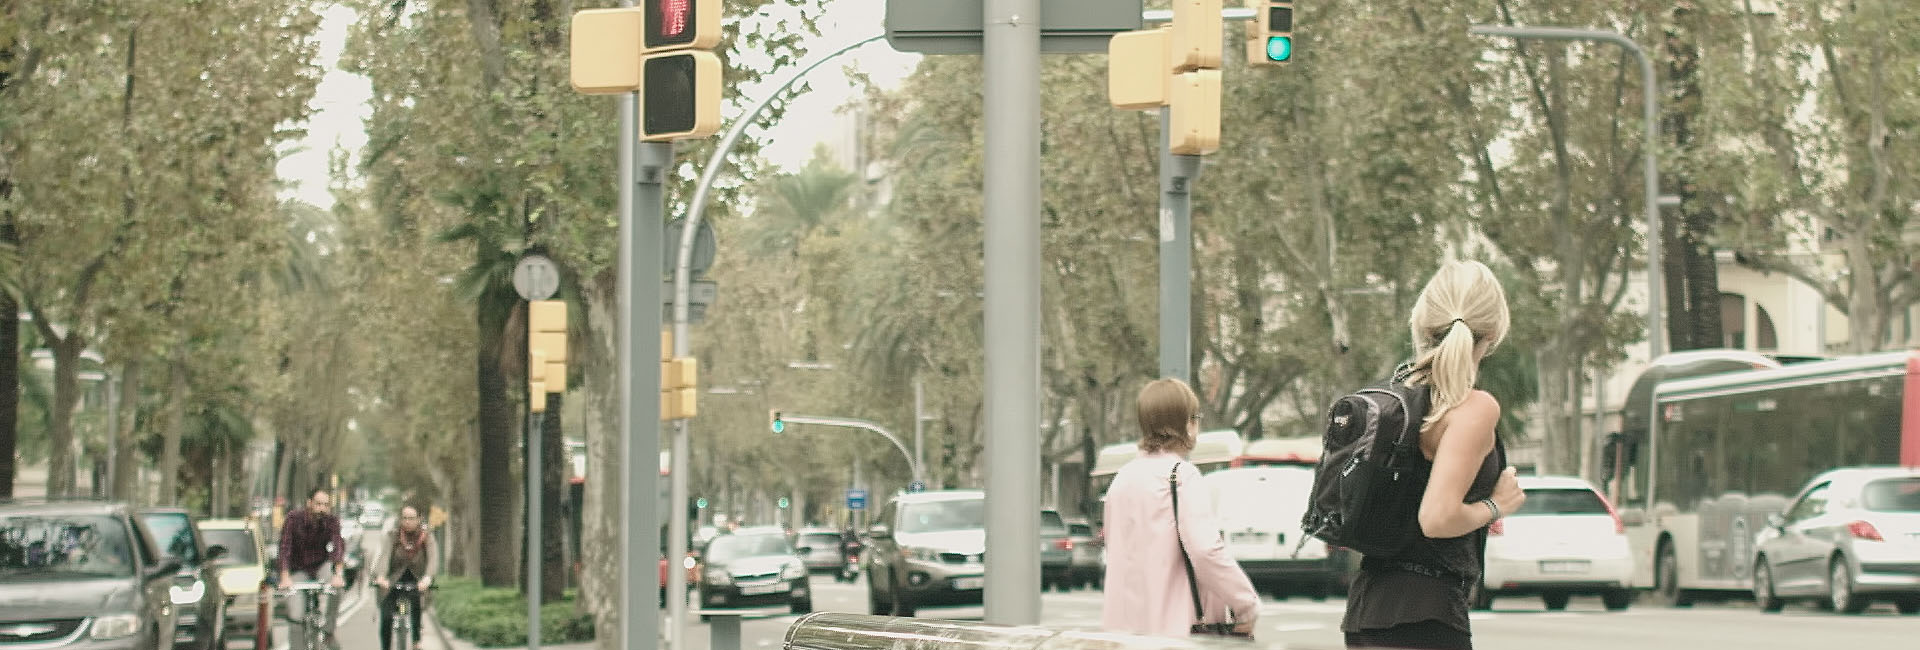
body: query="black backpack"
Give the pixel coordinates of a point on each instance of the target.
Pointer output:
(1367, 487)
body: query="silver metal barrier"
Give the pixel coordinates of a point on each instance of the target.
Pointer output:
(836, 631)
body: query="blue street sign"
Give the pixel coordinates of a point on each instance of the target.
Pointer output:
(856, 499)
(916, 486)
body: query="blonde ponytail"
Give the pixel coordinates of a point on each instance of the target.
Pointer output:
(1461, 316)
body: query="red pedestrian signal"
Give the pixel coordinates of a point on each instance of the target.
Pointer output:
(682, 23)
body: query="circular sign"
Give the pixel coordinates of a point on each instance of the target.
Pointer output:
(704, 247)
(536, 277)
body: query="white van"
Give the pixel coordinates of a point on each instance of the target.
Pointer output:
(1259, 510)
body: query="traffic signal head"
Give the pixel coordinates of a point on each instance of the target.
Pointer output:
(700, 502)
(682, 23)
(679, 95)
(1195, 43)
(604, 58)
(783, 503)
(774, 422)
(1270, 35)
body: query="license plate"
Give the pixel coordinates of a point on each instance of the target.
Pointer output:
(754, 590)
(1564, 566)
(964, 584)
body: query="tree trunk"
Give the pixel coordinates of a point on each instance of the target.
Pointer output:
(171, 432)
(66, 395)
(600, 517)
(126, 458)
(9, 372)
(1693, 278)
(554, 467)
(497, 489)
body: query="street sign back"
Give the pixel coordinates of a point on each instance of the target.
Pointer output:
(953, 26)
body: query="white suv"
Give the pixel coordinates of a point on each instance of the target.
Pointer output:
(1566, 540)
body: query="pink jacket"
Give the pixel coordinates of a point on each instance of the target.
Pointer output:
(1146, 588)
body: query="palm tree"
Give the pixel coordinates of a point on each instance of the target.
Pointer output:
(488, 284)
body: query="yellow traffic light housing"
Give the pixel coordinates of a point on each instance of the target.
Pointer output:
(1137, 69)
(1195, 36)
(604, 57)
(680, 95)
(679, 386)
(1270, 33)
(1193, 100)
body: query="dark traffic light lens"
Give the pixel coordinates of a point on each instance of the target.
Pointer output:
(1279, 19)
(1279, 48)
(668, 95)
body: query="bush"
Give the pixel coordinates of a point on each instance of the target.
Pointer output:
(497, 617)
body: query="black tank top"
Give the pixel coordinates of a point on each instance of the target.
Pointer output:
(1433, 579)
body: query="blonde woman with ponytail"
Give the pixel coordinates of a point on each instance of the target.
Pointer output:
(1419, 599)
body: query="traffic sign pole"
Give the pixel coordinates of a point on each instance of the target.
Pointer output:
(913, 464)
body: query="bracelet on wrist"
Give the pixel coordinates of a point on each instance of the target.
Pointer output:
(1493, 508)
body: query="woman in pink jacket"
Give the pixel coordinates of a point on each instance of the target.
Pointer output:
(1147, 588)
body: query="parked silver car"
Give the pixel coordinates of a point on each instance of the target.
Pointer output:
(1851, 537)
(1089, 554)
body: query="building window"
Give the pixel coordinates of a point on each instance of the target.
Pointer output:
(1733, 324)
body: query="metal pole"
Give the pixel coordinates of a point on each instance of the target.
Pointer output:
(1176, 255)
(1011, 56)
(534, 583)
(676, 513)
(919, 432)
(642, 169)
(913, 466)
(113, 435)
(1650, 170)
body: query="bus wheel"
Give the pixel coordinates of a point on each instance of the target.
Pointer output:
(1666, 581)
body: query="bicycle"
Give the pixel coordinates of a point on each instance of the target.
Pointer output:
(406, 596)
(309, 630)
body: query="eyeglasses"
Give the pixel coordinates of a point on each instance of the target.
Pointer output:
(1195, 417)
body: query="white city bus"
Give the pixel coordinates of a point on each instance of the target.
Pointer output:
(1710, 456)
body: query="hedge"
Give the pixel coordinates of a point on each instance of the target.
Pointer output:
(495, 617)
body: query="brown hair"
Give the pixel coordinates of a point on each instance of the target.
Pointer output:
(1166, 409)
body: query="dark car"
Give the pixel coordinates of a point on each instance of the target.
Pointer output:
(754, 567)
(83, 576)
(1056, 552)
(200, 605)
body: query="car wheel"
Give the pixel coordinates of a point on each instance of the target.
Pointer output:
(1481, 599)
(1666, 586)
(902, 607)
(1555, 601)
(1763, 594)
(1840, 588)
(1908, 606)
(875, 605)
(802, 606)
(1617, 600)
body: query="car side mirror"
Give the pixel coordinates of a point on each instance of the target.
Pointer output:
(1776, 521)
(165, 569)
(879, 531)
(216, 552)
(803, 550)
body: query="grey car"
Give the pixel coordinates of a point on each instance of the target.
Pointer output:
(1089, 565)
(201, 605)
(1851, 537)
(1056, 552)
(753, 567)
(82, 576)
(927, 548)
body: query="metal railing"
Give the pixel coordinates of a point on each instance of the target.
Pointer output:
(837, 631)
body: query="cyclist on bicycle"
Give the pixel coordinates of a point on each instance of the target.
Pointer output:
(312, 549)
(408, 559)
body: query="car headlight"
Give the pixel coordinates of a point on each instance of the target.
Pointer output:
(114, 626)
(188, 594)
(718, 577)
(793, 572)
(921, 553)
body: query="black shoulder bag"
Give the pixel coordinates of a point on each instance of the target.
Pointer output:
(1193, 584)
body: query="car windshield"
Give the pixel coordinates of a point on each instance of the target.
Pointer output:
(1052, 524)
(174, 533)
(1892, 495)
(936, 516)
(239, 545)
(1562, 501)
(726, 548)
(36, 547)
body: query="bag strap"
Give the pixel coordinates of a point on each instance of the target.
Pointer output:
(1193, 585)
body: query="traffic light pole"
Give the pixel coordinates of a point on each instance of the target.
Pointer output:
(643, 167)
(1176, 256)
(913, 464)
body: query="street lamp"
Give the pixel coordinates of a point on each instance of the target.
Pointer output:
(1650, 104)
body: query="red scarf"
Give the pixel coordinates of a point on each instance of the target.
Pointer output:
(409, 544)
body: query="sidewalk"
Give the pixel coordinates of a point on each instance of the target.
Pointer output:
(436, 637)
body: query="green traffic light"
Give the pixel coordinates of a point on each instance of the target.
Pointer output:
(700, 503)
(783, 502)
(1279, 48)
(779, 426)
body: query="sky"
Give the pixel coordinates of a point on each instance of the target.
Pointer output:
(340, 105)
